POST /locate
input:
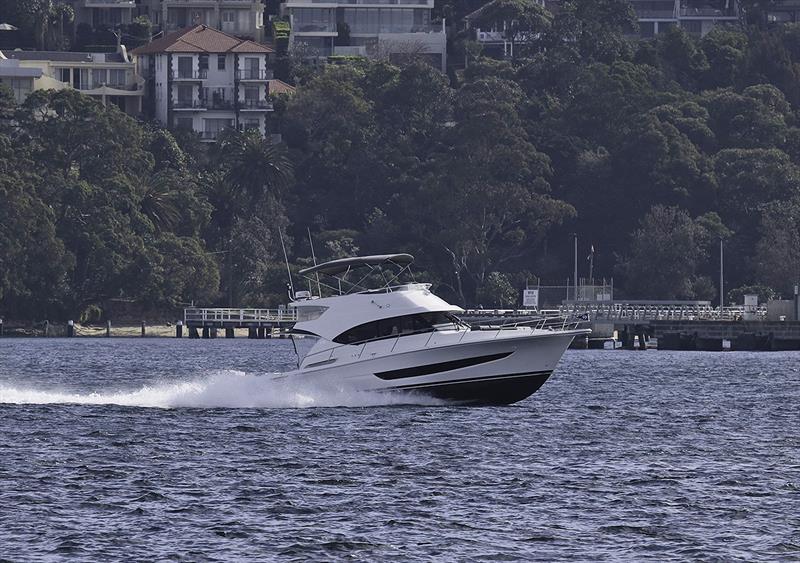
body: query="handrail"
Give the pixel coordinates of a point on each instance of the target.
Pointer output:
(545, 323)
(231, 314)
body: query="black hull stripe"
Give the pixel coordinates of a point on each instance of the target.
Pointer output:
(440, 367)
(469, 380)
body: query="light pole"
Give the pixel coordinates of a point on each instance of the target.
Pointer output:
(575, 237)
(721, 278)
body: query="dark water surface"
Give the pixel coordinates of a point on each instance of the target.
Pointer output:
(154, 449)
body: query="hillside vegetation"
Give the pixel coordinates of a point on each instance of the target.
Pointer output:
(651, 151)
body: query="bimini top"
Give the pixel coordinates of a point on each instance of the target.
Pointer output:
(335, 267)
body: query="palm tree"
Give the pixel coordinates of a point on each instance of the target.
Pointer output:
(159, 201)
(255, 167)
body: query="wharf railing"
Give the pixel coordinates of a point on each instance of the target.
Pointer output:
(634, 311)
(237, 317)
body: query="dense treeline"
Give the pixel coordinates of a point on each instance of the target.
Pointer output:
(652, 152)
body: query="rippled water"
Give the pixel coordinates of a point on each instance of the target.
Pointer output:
(142, 449)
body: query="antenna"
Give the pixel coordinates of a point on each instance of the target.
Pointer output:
(288, 270)
(314, 257)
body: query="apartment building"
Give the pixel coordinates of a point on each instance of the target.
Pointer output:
(242, 18)
(104, 13)
(108, 77)
(495, 40)
(205, 80)
(696, 17)
(783, 11)
(380, 28)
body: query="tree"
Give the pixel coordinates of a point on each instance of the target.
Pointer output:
(778, 248)
(663, 257)
(594, 28)
(522, 21)
(255, 166)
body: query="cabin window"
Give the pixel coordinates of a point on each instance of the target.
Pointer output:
(398, 326)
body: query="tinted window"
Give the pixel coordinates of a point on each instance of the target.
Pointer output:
(397, 326)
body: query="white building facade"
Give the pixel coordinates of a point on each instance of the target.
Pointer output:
(108, 77)
(207, 81)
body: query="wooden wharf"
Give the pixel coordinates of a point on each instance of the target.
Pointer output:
(260, 323)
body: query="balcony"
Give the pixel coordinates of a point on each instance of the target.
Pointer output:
(314, 27)
(185, 76)
(490, 36)
(707, 10)
(188, 105)
(210, 136)
(109, 3)
(217, 104)
(254, 74)
(255, 105)
(429, 3)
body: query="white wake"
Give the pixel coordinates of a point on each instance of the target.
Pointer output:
(225, 389)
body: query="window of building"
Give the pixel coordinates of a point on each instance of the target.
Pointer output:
(63, 75)
(692, 26)
(228, 16)
(184, 67)
(251, 68)
(185, 93)
(647, 29)
(99, 77)
(213, 127)
(83, 79)
(116, 77)
(220, 62)
(184, 123)
(251, 93)
(203, 62)
(20, 86)
(252, 124)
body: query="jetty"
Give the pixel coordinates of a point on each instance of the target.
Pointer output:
(672, 325)
(260, 323)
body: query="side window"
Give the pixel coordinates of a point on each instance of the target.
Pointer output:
(396, 326)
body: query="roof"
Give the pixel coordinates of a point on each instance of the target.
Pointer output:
(280, 87)
(342, 265)
(200, 39)
(12, 68)
(65, 56)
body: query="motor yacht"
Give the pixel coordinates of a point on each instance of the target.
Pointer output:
(398, 337)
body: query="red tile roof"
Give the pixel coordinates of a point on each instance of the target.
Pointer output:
(200, 39)
(280, 87)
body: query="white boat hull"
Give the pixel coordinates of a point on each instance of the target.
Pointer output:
(485, 368)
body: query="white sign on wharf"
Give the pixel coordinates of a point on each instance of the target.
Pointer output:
(530, 298)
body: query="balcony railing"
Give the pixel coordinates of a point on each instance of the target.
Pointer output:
(109, 3)
(186, 75)
(643, 11)
(707, 12)
(188, 104)
(254, 74)
(216, 104)
(255, 105)
(315, 27)
(382, 2)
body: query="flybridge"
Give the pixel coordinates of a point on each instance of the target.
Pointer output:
(374, 266)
